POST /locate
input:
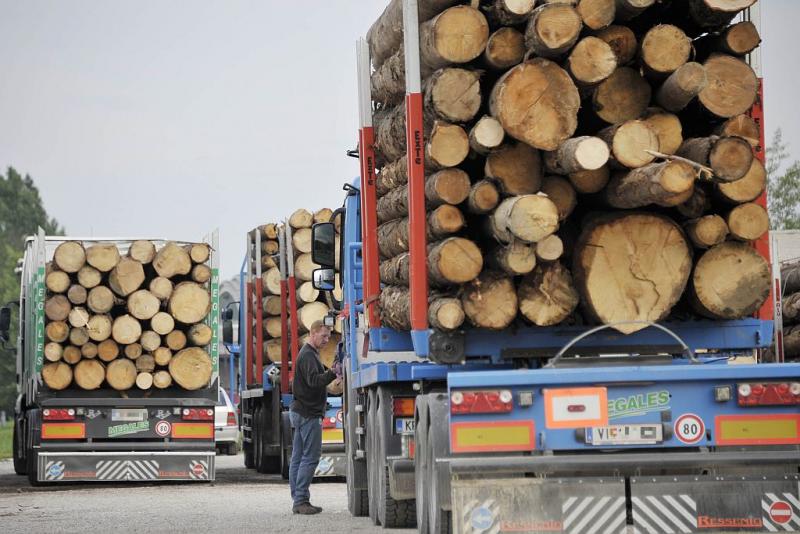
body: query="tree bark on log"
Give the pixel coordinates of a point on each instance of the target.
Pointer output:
(552, 30)
(547, 296)
(449, 186)
(453, 261)
(746, 189)
(529, 218)
(447, 145)
(591, 61)
(394, 238)
(730, 281)
(665, 48)
(729, 157)
(126, 330)
(561, 193)
(191, 368)
(483, 197)
(444, 313)
(622, 41)
(791, 342)
(577, 154)
(631, 143)
(710, 14)
(456, 35)
(628, 9)
(696, 205)
(737, 40)
(142, 251)
(790, 278)
(657, 183)
(707, 231)
(172, 260)
(490, 301)
(487, 135)
(588, 182)
(121, 374)
(732, 86)
(517, 169)
(537, 103)
(509, 12)
(791, 309)
(70, 256)
(200, 335)
(631, 267)
(682, 86)
(748, 221)
(621, 97)
(103, 257)
(391, 176)
(189, 303)
(504, 49)
(516, 259)
(89, 374)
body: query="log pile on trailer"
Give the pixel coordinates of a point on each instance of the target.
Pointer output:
(128, 316)
(586, 161)
(790, 282)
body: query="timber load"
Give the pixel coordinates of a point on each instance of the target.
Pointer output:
(586, 161)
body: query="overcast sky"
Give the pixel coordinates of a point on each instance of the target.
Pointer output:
(172, 118)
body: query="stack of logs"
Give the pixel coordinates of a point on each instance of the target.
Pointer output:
(128, 316)
(790, 282)
(312, 305)
(592, 152)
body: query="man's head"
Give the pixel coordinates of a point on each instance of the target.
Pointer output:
(319, 334)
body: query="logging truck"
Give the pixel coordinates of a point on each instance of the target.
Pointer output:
(278, 304)
(117, 360)
(577, 346)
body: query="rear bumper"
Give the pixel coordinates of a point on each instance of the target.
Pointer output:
(226, 434)
(56, 466)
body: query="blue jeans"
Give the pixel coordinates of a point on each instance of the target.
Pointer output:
(306, 450)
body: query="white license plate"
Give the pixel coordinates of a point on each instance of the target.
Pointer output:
(404, 426)
(129, 414)
(624, 435)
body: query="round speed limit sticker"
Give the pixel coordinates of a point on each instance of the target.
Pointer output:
(163, 428)
(689, 428)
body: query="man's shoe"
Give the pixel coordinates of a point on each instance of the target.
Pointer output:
(318, 508)
(305, 509)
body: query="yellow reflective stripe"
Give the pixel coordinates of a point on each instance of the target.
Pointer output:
(332, 435)
(63, 430)
(755, 429)
(192, 430)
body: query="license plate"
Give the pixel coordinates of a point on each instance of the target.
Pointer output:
(122, 414)
(624, 435)
(404, 426)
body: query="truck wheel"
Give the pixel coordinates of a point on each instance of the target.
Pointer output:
(391, 513)
(438, 518)
(19, 460)
(31, 468)
(372, 457)
(421, 469)
(232, 449)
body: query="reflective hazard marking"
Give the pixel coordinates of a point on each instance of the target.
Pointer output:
(576, 407)
(689, 428)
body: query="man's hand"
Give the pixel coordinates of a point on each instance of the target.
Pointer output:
(337, 368)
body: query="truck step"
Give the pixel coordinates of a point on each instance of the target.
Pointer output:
(360, 430)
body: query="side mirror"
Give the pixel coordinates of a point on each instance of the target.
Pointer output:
(227, 325)
(323, 248)
(329, 320)
(5, 323)
(324, 279)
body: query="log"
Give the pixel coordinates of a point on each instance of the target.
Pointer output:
(791, 309)
(144, 381)
(271, 247)
(457, 35)
(272, 304)
(631, 267)
(273, 350)
(622, 41)
(631, 142)
(162, 356)
(748, 221)
(72, 354)
(490, 301)
(656, 183)
(552, 30)
(305, 293)
(529, 218)
(162, 379)
(199, 252)
(175, 340)
(142, 251)
(665, 48)
(304, 268)
(453, 261)
(483, 197)
(172, 260)
(696, 205)
(269, 231)
(57, 331)
(549, 249)
(547, 296)
(444, 313)
(301, 218)
(145, 363)
(504, 49)
(745, 189)
(79, 336)
(737, 40)
(509, 12)
(743, 126)
(447, 146)
(89, 374)
(323, 215)
(386, 34)
(89, 350)
(516, 258)
(667, 127)
(301, 239)
(710, 14)
(309, 313)
(189, 303)
(682, 86)
(588, 182)
(561, 193)
(272, 281)
(394, 238)
(200, 335)
(517, 169)
(69, 256)
(77, 294)
(487, 135)
(267, 262)
(78, 317)
(57, 308)
(621, 97)
(707, 231)
(453, 94)
(133, 351)
(577, 154)
(100, 299)
(591, 61)
(597, 14)
(273, 327)
(449, 186)
(729, 157)
(537, 103)
(121, 374)
(99, 327)
(730, 281)
(89, 277)
(162, 323)
(107, 350)
(103, 257)
(161, 287)
(628, 9)
(53, 351)
(126, 330)
(732, 86)
(58, 375)
(143, 305)
(201, 273)
(57, 281)
(391, 176)
(791, 342)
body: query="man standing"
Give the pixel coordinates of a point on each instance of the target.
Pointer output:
(306, 413)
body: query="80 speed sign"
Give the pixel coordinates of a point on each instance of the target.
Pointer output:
(689, 428)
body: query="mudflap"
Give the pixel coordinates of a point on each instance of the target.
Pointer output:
(531, 505)
(331, 466)
(715, 504)
(125, 466)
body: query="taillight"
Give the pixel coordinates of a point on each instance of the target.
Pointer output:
(403, 406)
(773, 394)
(493, 401)
(58, 414)
(198, 414)
(231, 419)
(340, 416)
(329, 422)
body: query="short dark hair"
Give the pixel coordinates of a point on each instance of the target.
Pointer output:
(316, 325)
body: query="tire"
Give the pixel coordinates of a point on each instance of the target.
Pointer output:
(421, 474)
(438, 518)
(357, 499)
(391, 513)
(20, 466)
(232, 450)
(31, 468)
(270, 464)
(372, 458)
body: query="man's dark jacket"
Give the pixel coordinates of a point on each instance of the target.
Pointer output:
(310, 380)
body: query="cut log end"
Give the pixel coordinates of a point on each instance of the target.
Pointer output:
(732, 86)
(490, 301)
(623, 96)
(547, 296)
(748, 222)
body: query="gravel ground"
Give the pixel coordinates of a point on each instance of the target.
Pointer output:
(240, 500)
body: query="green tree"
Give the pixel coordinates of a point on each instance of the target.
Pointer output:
(783, 186)
(21, 213)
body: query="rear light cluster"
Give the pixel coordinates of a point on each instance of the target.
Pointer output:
(493, 401)
(58, 414)
(774, 394)
(231, 419)
(329, 422)
(403, 406)
(198, 414)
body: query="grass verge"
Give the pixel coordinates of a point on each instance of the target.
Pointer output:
(5, 440)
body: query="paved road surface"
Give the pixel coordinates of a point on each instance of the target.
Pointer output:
(239, 501)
